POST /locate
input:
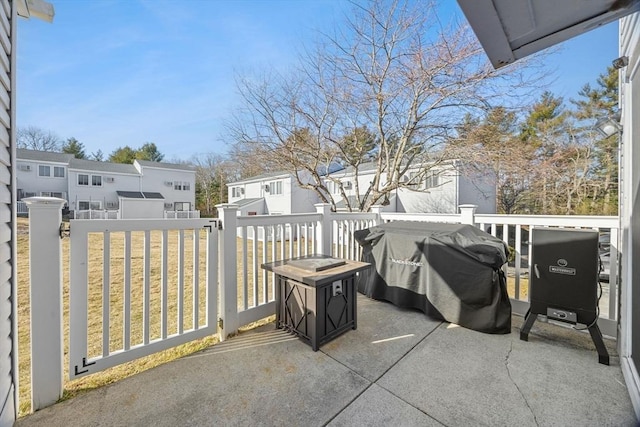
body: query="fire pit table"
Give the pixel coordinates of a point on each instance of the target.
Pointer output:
(316, 296)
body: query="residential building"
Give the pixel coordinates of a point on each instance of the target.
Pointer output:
(442, 190)
(143, 189)
(276, 193)
(445, 187)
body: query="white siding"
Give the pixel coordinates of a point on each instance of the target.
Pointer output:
(157, 180)
(7, 218)
(630, 206)
(105, 193)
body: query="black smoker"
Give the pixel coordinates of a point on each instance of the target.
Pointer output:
(564, 281)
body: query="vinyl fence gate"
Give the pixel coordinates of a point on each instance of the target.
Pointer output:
(138, 287)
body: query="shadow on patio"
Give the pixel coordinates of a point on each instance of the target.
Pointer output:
(398, 368)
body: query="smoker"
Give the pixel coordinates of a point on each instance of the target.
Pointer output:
(564, 281)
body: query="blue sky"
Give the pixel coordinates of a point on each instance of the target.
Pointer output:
(124, 72)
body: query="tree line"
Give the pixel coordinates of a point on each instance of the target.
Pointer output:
(35, 138)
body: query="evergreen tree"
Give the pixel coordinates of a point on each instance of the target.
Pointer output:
(73, 146)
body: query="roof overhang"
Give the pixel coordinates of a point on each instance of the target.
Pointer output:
(512, 29)
(35, 8)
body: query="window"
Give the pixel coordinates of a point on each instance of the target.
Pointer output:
(414, 180)
(58, 171)
(85, 205)
(181, 185)
(275, 187)
(182, 206)
(83, 179)
(333, 187)
(96, 180)
(44, 170)
(236, 192)
(432, 180)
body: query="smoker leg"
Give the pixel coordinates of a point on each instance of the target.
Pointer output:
(596, 336)
(529, 319)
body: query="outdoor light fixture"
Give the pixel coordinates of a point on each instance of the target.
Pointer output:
(609, 126)
(621, 62)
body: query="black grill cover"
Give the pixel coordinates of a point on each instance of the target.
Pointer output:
(448, 271)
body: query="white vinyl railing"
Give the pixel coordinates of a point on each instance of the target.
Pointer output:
(21, 207)
(181, 214)
(263, 239)
(94, 214)
(190, 266)
(115, 318)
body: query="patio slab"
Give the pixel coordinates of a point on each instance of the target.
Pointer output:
(398, 368)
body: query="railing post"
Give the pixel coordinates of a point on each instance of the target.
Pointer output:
(45, 272)
(228, 274)
(468, 214)
(377, 209)
(323, 230)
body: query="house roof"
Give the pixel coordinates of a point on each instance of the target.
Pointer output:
(176, 166)
(509, 30)
(92, 165)
(139, 195)
(43, 156)
(367, 167)
(245, 202)
(262, 177)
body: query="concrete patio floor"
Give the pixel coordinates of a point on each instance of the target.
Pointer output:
(399, 368)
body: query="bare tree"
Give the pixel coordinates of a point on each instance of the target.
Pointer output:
(35, 138)
(213, 171)
(393, 69)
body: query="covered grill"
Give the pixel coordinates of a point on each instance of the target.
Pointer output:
(448, 271)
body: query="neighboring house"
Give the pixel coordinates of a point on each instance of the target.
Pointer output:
(140, 190)
(271, 194)
(445, 188)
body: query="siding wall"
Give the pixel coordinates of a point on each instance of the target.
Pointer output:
(7, 218)
(630, 206)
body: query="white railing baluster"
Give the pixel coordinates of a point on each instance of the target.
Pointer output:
(195, 283)
(180, 282)
(282, 248)
(165, 285)
(254, 270)
(245, 272)
(126, 297)
(106, 294)
(265, 273)
(147, 287)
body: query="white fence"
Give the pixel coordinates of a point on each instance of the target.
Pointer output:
(178, 297)
(174, 303)
(21, 208)
(94, 214)
(181, 214)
